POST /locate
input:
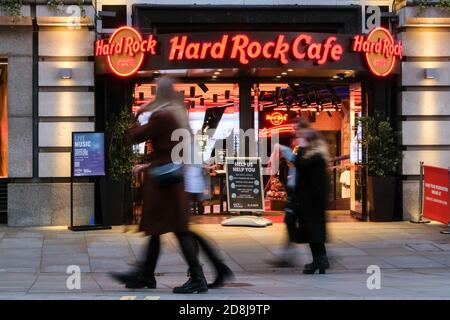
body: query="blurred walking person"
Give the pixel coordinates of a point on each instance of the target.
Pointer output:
(195, 186)
(310, 196)
(288, 178)
(165, 207)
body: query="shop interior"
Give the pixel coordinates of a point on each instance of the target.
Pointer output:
(330, 101)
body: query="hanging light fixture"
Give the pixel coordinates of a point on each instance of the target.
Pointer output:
(203, 87)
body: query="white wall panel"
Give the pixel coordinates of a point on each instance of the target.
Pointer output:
(66, 104)
(410, 200)
(425, 103)
(426, 132)
(411, 160)
(82, 73)
(426, 43)
(66, 43)
(59, 134)
(413, 73)
(53, 164)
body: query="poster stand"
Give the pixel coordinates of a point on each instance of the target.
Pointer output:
(256, 203)
(420, 217)
(81, 227)
(247, 221)
(446, 231)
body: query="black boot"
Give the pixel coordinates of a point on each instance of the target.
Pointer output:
(224, 274)
(320, 263)
(135, 279)
(196, 283)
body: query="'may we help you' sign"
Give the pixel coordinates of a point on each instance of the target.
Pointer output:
(244, 184)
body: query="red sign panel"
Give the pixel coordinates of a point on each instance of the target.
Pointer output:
(276, 118)
(380, 50)
(436, 196)
(126, 49)
(244, 49)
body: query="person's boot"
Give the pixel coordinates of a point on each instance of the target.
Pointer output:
(320, 263)
(135, 279)
(224, 274)
(196, 283)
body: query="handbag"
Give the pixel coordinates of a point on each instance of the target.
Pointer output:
(167, 174)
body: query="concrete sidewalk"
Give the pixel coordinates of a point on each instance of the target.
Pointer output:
(414, 262)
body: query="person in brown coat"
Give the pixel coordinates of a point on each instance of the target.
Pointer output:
(165, 206)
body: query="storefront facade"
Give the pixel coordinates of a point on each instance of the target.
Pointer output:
(273, 60)
(334, 69)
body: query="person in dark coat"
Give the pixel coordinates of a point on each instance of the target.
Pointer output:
(310, 196)
(288, 252)
(165, 207)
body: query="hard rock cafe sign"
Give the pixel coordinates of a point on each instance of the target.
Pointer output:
(126, 50)
(276, 118)
(380, 50)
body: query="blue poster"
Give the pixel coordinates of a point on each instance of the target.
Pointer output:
(88, 154)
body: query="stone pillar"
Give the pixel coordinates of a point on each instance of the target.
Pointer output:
(425, 107)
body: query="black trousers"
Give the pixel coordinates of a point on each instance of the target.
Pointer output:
(187, 245)
(318, 249)
(210, 252)
(290, 219)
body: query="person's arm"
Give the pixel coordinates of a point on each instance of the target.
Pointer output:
(287, 153)
(155, 126)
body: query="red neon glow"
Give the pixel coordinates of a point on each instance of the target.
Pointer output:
(125, 50)
(243, 49)
(276, 118)
(379, 52)
(286, 128)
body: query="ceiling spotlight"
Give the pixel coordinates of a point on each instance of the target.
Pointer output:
(217, 72)
(278, 77)
(290, 70)
(220, 70)
(214, 77)
(284, 73)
